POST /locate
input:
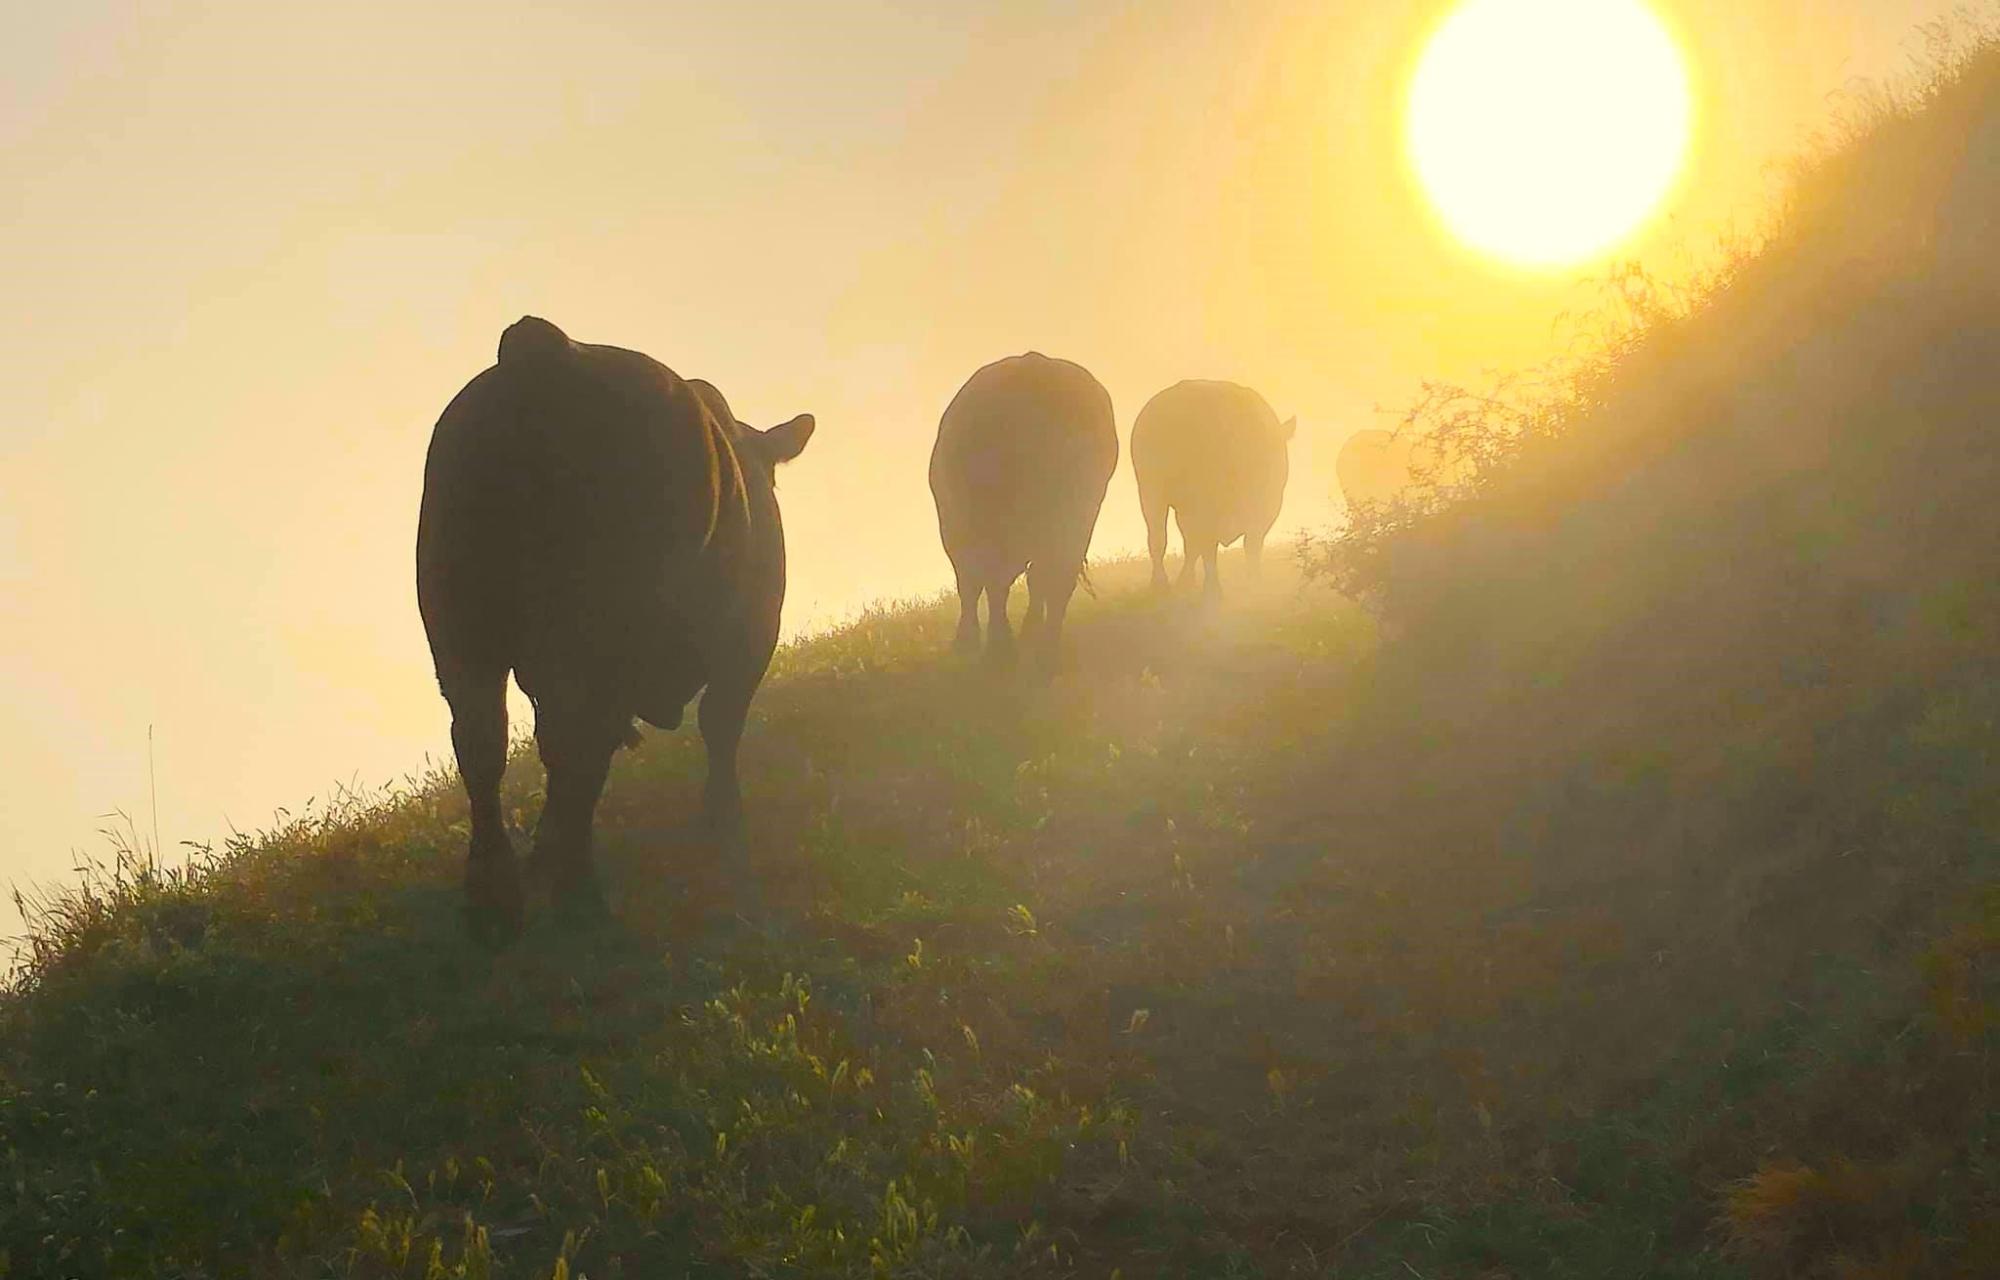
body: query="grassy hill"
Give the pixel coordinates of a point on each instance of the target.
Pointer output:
(1626, 905)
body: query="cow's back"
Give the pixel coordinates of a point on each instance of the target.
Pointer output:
(1216, 452)
(567, 489)
(1024, 454)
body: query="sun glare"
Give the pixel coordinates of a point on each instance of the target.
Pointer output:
(1545, 131)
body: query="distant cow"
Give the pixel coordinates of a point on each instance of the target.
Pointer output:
(608, 533)
(1377, 466)
(1215, 454)
(1372, 466)
(1024, 454)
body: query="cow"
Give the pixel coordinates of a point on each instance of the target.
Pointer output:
(608, 533)
(1380, 467)
(1023, 457)
(1216, 455)
(1373, 465)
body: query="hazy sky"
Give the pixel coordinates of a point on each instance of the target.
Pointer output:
(253, 249)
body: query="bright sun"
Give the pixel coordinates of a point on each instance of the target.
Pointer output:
(1546, 130)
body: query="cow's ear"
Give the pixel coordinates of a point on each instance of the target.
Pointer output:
(787, 441)
(1290, 426)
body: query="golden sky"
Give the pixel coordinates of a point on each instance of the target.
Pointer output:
(252, 250)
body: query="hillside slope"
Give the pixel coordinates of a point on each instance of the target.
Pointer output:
(1711, 651)
(298, 1065)
(1632, 911)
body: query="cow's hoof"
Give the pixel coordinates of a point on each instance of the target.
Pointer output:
(742, 891)
(966, 642)
(570, 884)
(1002, 657)
(493, 906)
(578, 902)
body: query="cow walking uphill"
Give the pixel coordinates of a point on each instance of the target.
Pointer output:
(1024, 454)
(1216, 455)
(1381, 468)
(1374, 466)
(608, 533)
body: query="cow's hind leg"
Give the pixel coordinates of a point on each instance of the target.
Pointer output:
(1052, 588)
(999, 632)
(1211, 582)
(1037, 615)
(1201, 549)
(576, 732)
(478, 703)
(967, 638)
(1153, 505)
(725, 708)
(1190, 552)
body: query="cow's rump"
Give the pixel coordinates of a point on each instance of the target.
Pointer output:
(571, 493)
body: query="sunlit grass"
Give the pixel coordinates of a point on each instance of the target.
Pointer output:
(1054, 979)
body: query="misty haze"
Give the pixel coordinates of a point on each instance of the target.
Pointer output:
(1052, 638)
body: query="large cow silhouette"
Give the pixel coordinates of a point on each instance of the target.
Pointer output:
(1216, 456)
(608, 533)
(1024, 454)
